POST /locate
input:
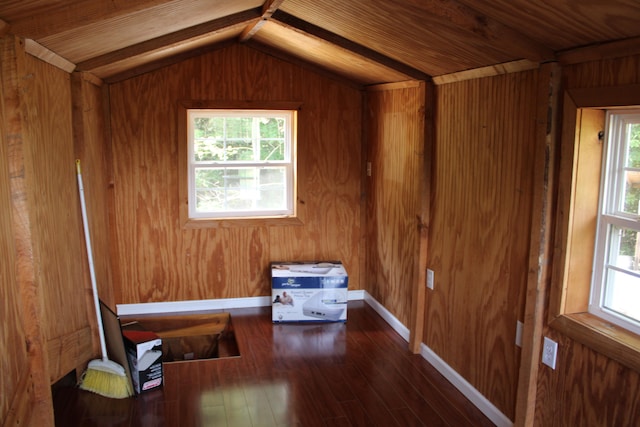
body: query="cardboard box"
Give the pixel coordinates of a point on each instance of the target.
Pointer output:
(144, 353)
(309, 291)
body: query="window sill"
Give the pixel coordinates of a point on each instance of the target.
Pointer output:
(241, 222)
(601, 336)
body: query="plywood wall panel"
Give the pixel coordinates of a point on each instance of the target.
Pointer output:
(478, 242)
(47, 264)
(156, 259)
(89, 133)
(395, 139)
(13, 363)
(587, 388)
(54, 207)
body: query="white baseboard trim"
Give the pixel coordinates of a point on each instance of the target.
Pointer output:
(481, 402)
(463, 386)
(193, 305)
(388, 317)
(205, 305)
(470, 392)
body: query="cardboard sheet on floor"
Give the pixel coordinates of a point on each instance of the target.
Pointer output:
(113, 339)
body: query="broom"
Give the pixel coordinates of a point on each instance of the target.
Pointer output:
(103, 376)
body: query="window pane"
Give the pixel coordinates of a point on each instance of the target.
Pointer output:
(622, 294)
(227, 189)
(632, 192)
(239, 150)
(209, 200)
(631, 200)
(208, 150)
(209, 178)
(239, 127)
(272, 150)
(632, 135)
(624, 251)
(209, 127)
(272, 127)
(272, 188)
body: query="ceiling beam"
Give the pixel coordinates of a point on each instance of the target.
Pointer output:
(4, 28)
(300, 25)
(35, 49)
(207, 28)
(268, 9)
(600, 51)
(77, 14)
(495, 33)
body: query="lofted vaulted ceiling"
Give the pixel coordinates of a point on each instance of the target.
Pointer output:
(365, 41)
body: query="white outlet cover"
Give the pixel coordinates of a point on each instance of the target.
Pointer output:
(519, 326)
(430, 278)
(549, 352)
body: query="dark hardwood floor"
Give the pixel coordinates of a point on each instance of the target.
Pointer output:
(357, 373)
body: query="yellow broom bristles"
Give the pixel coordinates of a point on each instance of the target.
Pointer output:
(106, 382)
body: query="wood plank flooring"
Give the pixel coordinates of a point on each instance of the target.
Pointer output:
(357, 373)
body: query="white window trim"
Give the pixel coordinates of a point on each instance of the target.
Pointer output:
(288, 164)
(611, 198)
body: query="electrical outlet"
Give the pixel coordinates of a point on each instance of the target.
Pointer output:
(429, 278)
(519, 326)
(549, 352)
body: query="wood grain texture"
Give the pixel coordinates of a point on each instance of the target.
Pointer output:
(548, 113)
(53, 204)
(89, 135)
(584, 214)
(407, 30)
(122, 26)
(32, 373)
(158, 260)
(588, 388)
(395, 129)
(357, 373)
(481, 213)
(340, 61)
(13, 361)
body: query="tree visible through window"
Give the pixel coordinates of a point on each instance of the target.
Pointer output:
(240, 163)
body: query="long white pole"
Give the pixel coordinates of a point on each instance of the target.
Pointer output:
(87, 239)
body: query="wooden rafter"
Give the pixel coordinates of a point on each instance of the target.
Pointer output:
(315, 31)
(614, 49)
(4, 28)
(268, 9)
(168, 40)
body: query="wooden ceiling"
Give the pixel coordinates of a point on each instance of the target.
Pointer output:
(364, 41)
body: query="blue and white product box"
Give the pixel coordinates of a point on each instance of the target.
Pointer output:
(309, 291)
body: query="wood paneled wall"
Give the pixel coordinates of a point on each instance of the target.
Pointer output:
(45, 250)
(14, 363)
(90, 135)
(395, 136)
(588, 388)
(155, 259)
(479, 228)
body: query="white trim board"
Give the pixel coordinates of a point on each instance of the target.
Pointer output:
(205, 305)
(463, 386)
(481, 402)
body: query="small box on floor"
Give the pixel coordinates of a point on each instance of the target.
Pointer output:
(144, 353)
(309, 291)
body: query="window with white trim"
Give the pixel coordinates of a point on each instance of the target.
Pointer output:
(615, 290)
(241, 163)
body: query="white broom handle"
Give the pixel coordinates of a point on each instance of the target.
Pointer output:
(87, 239)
